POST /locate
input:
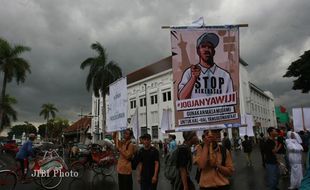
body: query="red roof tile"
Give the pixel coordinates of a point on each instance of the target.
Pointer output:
(83, 123)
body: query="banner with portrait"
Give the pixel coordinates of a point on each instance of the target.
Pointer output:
(205, 64)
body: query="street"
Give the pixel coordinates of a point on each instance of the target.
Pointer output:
(245, 178)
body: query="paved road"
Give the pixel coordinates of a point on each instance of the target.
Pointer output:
(245, 178)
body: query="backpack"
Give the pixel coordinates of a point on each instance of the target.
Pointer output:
(223, 151)
(135, 158)
(171, 171)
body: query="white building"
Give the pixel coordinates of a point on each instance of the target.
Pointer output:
(150, 90)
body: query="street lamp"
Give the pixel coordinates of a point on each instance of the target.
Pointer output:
(96, 126)
(145, 85)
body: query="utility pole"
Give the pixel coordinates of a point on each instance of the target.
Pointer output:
(145, 85)
(78, 127)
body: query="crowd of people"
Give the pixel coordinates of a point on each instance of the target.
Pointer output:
(281, 154)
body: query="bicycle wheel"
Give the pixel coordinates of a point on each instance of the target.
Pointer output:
(108, 169)
(97, 168)
(78, 167)
(8, 180)
(51, 181)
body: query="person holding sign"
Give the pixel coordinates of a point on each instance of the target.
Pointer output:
(215, 163)
(126, 150)
(205, 78)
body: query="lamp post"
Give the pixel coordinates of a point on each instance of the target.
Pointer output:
(91, 116)
(145, 85)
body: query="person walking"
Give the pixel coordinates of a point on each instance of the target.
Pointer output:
(184, 162)
(294, 148)
(215, 163)
(247, 148)
(148, 167)
(24, 153)
(126, 150)
(172, 144)
(271, 148)
(226, 142)
(261, 142)
(281, 153)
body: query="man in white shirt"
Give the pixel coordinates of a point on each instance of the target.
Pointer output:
(205, 78)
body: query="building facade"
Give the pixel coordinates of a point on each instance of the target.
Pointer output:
(150, 91)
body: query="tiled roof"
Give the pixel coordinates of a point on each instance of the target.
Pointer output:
(150, 70)
(82, 124)
(157, 67)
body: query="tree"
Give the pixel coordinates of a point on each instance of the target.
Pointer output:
(8, 111)
(12, 66)
(101, 74)
(47, 111)
(300, 69)
(55, 128)
(18, 130)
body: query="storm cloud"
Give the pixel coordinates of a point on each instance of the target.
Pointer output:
(60, 34)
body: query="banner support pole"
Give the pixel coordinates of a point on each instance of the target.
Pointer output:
(218, 26)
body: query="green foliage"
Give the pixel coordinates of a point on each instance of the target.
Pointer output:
(55, 128)
(8, 112)
(48, 110)
(101, 72)
(18, 130)
(13, 67)
(300, 69)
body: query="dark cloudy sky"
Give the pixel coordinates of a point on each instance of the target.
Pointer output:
(60, 33)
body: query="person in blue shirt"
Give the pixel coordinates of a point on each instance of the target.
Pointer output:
(24, 152)
(172, 144)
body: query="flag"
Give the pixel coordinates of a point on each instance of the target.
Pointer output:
(135, 124)
(247, 119)
(198, 22)
(164, 125)
(282, 109)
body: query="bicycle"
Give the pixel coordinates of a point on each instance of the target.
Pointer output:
(10, 177)
(101, 162)
(52, 169)
(8, 180)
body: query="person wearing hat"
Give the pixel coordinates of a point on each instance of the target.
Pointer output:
(148, 167)
(205, 78)
(184, 162)
(24, 152)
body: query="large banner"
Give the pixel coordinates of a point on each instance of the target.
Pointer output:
(117, 108)
(205, 65)
(301, 119)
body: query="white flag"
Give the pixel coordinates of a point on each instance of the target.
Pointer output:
(243, 130)
(198, 22)
(164, 125)
(135, 124)
(250, 123)
(246, 119)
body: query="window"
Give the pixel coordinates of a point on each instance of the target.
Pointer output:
(142, 102)
(155, 132)
(154, 117)
(154, 99)
(142, 119)
(143, 130)
(167, 96)
(133, 104)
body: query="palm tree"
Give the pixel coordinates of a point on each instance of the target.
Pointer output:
(12, 66)
(101, 74)
(47, 111)
(8, 111)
